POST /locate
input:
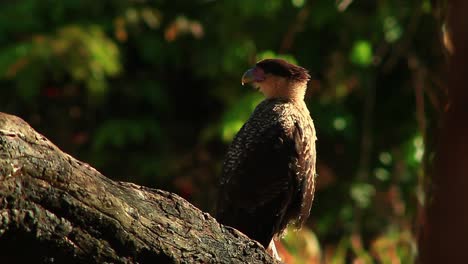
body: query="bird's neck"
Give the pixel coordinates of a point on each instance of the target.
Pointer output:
(294, 92)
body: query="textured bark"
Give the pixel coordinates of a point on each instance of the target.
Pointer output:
(54, 208)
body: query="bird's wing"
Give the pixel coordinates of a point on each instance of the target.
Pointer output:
(258, 179)
(304, 137)
(262, 170)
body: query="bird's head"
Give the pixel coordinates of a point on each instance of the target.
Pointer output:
(277, 78)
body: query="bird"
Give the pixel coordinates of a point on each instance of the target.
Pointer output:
(268, 174)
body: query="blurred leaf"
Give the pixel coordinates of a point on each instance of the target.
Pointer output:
(414, 150)
(268, 54)
(85, 54)
(392, 29)
(298, 3)
(302, 245)
(141, 71)
(362, 194)
(426, 6)
(97, 56)
(13, 59)
(395, 246)
(339, 123)
(382, 174)
(346, 213)
(339, 256)
(183, 26)
(237, 115)
(361, 53)
(361, 255)
(236, 54)
(385, 158)
(118, 133)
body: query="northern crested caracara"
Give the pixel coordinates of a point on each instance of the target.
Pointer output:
(268, 176)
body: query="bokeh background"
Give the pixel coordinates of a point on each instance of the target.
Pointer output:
(149, 92)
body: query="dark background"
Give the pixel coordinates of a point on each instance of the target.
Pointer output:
(149, 92)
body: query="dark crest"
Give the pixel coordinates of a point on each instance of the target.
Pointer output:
(283, 68)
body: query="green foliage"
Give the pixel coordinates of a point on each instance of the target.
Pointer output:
(237, 115)
(268, 54)
(118, 133)
(83, 54)
(149, 91)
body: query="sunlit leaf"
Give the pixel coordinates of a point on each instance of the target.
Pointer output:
(361, 53)
(84, 54)
(298, 3)
(237, 115)
(415, 150)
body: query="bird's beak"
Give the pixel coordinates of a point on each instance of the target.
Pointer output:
(248, 76)
(255, 74)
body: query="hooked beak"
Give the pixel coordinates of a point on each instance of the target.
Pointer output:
(253, 75)
(248, 76)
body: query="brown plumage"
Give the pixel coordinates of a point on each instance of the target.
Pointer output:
(268, 175)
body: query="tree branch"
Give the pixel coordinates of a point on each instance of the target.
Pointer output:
(54, 208)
